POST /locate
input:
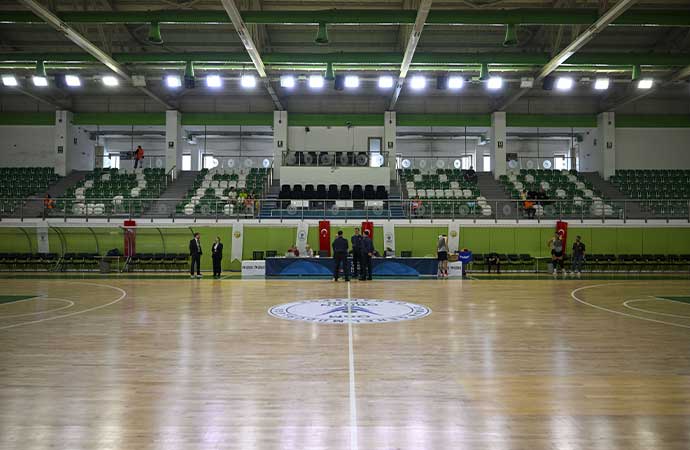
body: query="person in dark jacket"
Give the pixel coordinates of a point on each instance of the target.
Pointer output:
(217, 255)
(356, 252)
(340, 247)
(195, 253)
(367, 254)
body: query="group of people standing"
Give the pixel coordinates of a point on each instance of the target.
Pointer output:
(195, 253)
(557, 247)
(362, 252)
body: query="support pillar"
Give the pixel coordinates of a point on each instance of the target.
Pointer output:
(606, 143)
(498, 143)
(280, 139)
(174, 141)
(63, 142)
(390, 141)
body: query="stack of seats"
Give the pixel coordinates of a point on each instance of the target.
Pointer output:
(113, 191)
(662, 191)
(224, 191)
(445, 187)
(332, 192)
(581, 196)
(17, 183)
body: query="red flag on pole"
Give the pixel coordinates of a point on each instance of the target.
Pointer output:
(325, 236)
(130, 238)
(562, 230)
(368, 226)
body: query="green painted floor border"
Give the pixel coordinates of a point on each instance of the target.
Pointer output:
(14, 298)
(677, 298)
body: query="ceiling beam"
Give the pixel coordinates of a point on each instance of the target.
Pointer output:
(579, 42)
(675, 78)
(412, 41)
(86, 45)
(250, 46)
(494, 17)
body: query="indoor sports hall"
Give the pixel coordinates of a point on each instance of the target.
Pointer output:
(416, 224)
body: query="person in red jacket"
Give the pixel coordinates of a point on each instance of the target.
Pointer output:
(139, 157)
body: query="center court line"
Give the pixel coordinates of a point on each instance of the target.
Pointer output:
(577, 299)
(351, 354)
(69, 305)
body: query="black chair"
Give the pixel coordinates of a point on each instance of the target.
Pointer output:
(256, 255)
(271, 253)
(345, 193)
(297, 193)
(309, 192)
(357, 192)
(406, 254)
(321, 193)
(333, 192)
(381, 193)
(369, 193)
(323, 254)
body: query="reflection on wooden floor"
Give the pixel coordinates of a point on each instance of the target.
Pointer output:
(199, 364)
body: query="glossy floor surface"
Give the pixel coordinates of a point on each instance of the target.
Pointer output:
(200, 364)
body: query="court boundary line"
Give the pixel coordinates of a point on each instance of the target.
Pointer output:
(351, 370)
(71, 303)
(620, 313)
(46, 319)
(647, 311)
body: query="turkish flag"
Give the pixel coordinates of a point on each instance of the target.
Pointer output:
(325, 236)
(130, 246)
(562, 230)
(368, 226)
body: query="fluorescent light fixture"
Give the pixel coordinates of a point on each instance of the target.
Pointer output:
(494, 83)
(455, 82)
(248, 81)
(173, 81)
(351, 81)
(214, 81)
(9, 80)
(72, 80)
(315, 81)
(110, 81)
(287, 81)
(418, 82)
(564, 83)
(601, 84)
(385, 81)
(40, 81)
(645, 83)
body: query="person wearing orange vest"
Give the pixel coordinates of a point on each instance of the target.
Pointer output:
(139, 157)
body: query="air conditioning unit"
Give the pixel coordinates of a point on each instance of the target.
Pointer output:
(138, 80)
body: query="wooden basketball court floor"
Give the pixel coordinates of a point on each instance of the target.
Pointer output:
(200, 364)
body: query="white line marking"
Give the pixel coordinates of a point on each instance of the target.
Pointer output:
(124, 294)
(71, 303)
(626, 304)
(572, 294)
(353, 394)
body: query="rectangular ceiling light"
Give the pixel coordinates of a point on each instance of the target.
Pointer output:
(9, 80)
(527, 82)
(601, 84)
(173, 81)
(214, 81)
(385, 81)
(248, 81)
(564, 83)
(418, 82)
(455, 82)
(287, 81)
(645, 83)
(351, 81)
(315, 81)
(110, 81)
(494, 83)
(40, 81)
(72, 80)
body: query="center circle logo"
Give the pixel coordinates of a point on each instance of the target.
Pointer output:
(355, 310)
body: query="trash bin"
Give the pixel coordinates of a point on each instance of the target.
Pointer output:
(105, 265)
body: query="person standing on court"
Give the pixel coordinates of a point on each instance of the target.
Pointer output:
(578, 256)
(356, 253)
(139, 157)
(367, 253)
(217, 255)
(340, 247)
(195, 253)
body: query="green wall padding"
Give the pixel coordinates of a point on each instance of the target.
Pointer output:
(268, 238)
(421, 241)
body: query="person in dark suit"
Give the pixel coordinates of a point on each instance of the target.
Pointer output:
(367, 254)
(356, 252)
(217, 255)
(195, 253)
(340, 247)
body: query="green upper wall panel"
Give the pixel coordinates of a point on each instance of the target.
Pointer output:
(446, 120)
(551, 120)
(227, 119)
(119, 118)
(16, 118)
(653, 121)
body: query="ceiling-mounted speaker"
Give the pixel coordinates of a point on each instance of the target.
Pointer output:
(441, 82)
(339, 83)
(548, 82)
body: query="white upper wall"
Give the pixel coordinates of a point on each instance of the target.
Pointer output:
(331, 138)
(23, 146)
(653, 148)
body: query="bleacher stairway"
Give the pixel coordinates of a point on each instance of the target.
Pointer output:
(609, 191)
(490, 188)
(174, 193)
(34, 206)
